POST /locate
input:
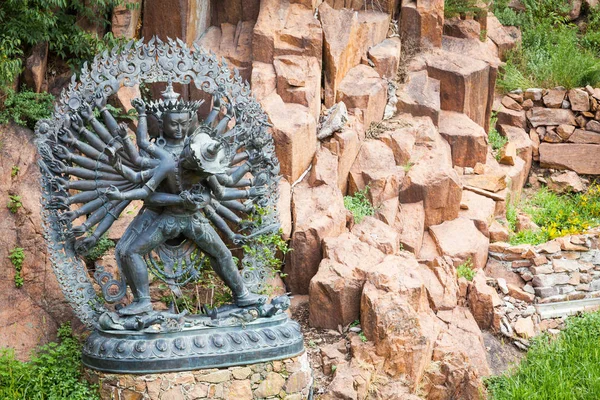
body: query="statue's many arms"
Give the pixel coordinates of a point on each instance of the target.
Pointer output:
(190, 184)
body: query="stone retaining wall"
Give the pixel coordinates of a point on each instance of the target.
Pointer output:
(566, 268)
(564, 125)
(289, 379)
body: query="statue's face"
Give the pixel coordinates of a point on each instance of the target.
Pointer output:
(175, 125)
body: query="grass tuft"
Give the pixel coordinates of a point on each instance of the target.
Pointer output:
(359, 205)
(567, 367)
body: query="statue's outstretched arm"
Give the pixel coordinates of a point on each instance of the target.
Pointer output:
(224, 193)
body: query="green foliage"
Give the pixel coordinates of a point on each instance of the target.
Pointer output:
(17, 257)
(496, 140)
(14, 171)
(453, 8)
(102, 246)
(362, 337)
(25, 107)
(465, 270)
(26, 23)
(554, 51)
(406, 167)
(53, 373)
(359, 205)
(563, 368)
(14, 203)
(558, 215)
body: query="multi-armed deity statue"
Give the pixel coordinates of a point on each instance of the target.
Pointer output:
(204, 182)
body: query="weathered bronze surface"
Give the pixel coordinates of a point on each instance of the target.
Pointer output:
(203, 181)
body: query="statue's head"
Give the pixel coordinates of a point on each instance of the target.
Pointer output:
(174, 115)
(204, 154)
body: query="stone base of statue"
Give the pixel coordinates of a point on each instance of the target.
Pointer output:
(192, 342)
(290, 379)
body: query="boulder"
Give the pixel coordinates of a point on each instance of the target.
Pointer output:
(522, 142)
(460, 358)
(464, 84)
(295, 133)
(318, 212)
(440, 280)
(462, 28)
(473, 244)
(420, 96)
(126, 17)
(286, 28)
(498, 232)
(551, 116)
(376, 168)
(524, 327)
(35, 67)
(347, 36)
(233, 11)
(565, 182)
(581, 158)
(493, 181)
(482, 301)
(410, 223)
(579, 99)
(505, 39)
(183, 19)
(554, 98)
(508, 154)
(299, 81)
(468, 141)
(400, 136)
(385, 57)
(324, 168)
(31, 314)
(263, 80)
(422, 22)
(284, 208)
(584, 137)
(378, 234)
(395, 315)
(345, 145)
(234, 42)
(515, 177)
(511, 117)
(479, 209)
(362, 88)
(336, 289)
(431, 178)
(429, 250)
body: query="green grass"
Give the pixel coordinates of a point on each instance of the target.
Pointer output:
(465, 270)
(567, 368)
(496, 140)
(555, 51)
(53, 373)
(14, 203)
(359, 205)
(453, 8)
(102, 246)
(557, 215)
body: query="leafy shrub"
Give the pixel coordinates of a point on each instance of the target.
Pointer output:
(26, 23)
(553, 51)
(563, 368)
(496, 140)
(359, 205)
(25, 107)
(465, 270)
(102, 246)
(54, 372)
(17, 257)
(14, 203)
(559, 215)
(453, 8)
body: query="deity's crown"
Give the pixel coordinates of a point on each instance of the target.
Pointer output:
(170, 103)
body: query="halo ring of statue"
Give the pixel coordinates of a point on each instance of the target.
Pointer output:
(200, 180)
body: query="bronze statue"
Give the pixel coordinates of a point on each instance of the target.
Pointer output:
(200, 180)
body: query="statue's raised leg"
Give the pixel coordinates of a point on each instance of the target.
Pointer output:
(208, 240)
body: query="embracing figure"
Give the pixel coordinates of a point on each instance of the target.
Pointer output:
(190, 184)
